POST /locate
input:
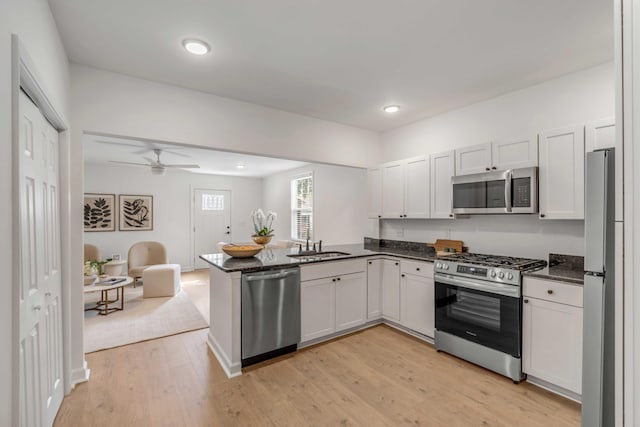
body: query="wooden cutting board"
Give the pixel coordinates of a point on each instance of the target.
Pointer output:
(441, 244)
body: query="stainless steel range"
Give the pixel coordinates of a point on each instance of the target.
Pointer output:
(479, 309)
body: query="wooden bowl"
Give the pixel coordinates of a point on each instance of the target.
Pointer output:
(241, 251)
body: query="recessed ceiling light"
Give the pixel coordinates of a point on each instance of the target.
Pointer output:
(391, 109)
(197, 47)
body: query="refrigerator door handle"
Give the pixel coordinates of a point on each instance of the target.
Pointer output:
(595, 212)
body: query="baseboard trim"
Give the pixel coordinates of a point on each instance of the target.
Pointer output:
(80, 375)
(554, 389)
(232, 370)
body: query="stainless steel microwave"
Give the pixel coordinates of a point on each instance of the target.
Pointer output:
(499, 192)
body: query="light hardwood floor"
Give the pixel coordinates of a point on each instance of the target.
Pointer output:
(377, 377)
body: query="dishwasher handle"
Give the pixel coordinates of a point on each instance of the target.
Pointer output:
(280, 275)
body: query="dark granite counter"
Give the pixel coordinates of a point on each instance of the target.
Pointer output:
(274, 258)
(562, 268)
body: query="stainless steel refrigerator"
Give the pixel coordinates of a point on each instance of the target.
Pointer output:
(598, 292)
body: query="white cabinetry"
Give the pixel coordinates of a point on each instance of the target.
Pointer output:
(561, 174)
(405, 188)
(600, 134)
(442, 169)
(333, 297)
(374, 187)
(374, 289)
(417, 297)
(391, 290)
(552, 333)
(508, 154)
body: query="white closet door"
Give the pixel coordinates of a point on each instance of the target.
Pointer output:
(40, 347)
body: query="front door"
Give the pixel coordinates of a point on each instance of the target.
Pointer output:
(212, 222)
(40, 347)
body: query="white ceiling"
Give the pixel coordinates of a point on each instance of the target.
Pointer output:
(343, 60)
(100, 149)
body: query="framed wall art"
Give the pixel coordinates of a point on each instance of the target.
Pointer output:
(99, 212)
(136, 212)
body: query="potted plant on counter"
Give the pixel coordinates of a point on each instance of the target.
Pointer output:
(262, 225)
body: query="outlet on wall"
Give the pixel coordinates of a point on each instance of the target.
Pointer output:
(400, 232)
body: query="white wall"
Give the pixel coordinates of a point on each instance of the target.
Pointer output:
(33, 23)
(172, 205)
(574, 98)
(117, 104)
(339, 203)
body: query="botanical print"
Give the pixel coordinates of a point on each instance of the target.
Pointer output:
(136, 212)
(98, 212)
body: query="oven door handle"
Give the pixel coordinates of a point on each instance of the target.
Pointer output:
(507, 190)
(498, 288)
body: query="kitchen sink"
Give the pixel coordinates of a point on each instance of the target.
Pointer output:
(318, 255)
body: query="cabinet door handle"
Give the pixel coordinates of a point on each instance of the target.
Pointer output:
(333, 280)
(397, 263)
(338, 279)
(450, 215)
(417, 268)
(550, 291)
(379, 216)
(541, 215)
(526, 301)
(402, 275)
(370, 263)
(493, 167)
(487, 169)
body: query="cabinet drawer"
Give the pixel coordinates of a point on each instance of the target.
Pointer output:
(418, 268)
(550, 290)
(333, 268)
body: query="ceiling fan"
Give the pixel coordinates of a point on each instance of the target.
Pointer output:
(157, 167)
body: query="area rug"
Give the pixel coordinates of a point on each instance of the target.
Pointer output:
(142, 319)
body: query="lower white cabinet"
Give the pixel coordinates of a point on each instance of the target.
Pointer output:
(317, 308)
(351, 300)
(331, 304)
(417, 306)
(391, 290)
(552, 333)
(374, 289)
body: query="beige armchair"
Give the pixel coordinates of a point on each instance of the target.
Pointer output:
(142, 255)
(91, 253)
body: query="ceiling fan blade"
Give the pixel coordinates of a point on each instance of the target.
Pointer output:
(129, 163)
(121, 144)
(151, 161)
(164, 150)
(182, 166)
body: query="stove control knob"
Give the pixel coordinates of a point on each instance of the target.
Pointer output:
(493, 273)
(501, 275)
(445, 266)
(510, 276)
(438, 265)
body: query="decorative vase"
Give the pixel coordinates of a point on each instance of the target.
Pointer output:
(262, 240)
(90, 279)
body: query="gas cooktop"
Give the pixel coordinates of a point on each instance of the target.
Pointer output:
(495, 261)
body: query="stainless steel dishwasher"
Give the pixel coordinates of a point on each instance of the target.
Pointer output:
(270, 314)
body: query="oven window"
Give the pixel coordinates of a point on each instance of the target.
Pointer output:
(471, 307)
(491, 320)
(470, 195)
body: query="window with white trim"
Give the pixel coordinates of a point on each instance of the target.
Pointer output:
(302, 207)
(212, 202)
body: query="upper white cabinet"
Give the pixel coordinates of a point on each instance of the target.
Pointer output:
(405, 188)
(474, 159)
(561, 174)
(374, 187)
(393, 189)
(515, 153)
(442, 169)
(501, 155)
(600, 134)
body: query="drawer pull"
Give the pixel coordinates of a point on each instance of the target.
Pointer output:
(550, 291)
(396, 263)
(526, 301)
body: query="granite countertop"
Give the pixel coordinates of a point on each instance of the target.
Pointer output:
(273, 258)
(562, 268)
